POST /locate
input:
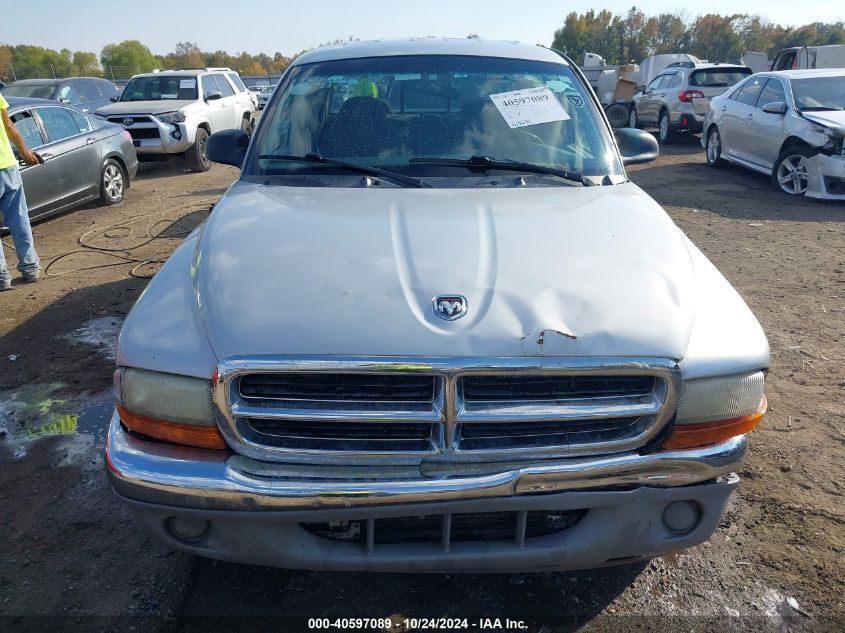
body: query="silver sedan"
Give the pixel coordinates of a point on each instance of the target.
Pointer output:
(787, 124)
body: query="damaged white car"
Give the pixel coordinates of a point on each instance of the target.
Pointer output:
(789, 124)
(433, 326)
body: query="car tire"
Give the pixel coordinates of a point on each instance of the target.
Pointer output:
(195, 157)
(633, 121)
(713, 150)
(112, 182)
(617, 114)
(665, 134)
(246, 126)
(790, 173)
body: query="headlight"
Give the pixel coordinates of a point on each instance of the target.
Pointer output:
(168, 407)
(172, 117)
(713, 410)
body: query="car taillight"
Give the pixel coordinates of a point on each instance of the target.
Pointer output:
(687, 95)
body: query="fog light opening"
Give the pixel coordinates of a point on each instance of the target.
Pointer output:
(187, 530)
(681, 517)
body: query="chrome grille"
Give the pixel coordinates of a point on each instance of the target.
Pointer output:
(367, 411)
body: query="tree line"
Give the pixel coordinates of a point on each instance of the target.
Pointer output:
(635, 36)
(124, 59)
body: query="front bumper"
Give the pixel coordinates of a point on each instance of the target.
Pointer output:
(255, 510)
(826, 177)
(172, 138)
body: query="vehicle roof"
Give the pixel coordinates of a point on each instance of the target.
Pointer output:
(188, 72)
(806, 73)
(49, 81)
(430, 46)
(710, 66)
(26, 102)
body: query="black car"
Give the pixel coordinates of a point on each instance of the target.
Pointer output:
(84, 93)
(84, 158)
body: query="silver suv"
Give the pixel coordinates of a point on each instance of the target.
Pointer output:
(175, 111)
(677, 99)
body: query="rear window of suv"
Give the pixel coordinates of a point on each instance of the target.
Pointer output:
(718, 77)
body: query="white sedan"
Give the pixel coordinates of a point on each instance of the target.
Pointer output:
(789, 124)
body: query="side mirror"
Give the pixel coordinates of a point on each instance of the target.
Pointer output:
(114, 99)
(776, 107)
(227, 147)
(641, 89)
(636, 146)
(213, 96)
(64, 100)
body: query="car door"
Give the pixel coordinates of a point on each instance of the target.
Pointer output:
(765, 130)
(71, 155)
(737, 113)
(218, 111)
(39, 182)
(648, 104)
(230, 101)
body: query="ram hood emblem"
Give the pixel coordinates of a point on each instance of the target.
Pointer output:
(450, 307)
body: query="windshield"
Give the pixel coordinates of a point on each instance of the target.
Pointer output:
(32, 91)
(389, 112)
(160, 87)
(718, 78)
(819, 93)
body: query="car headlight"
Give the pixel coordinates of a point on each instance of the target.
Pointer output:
(713, 410)
(167, 407)
(172, 117)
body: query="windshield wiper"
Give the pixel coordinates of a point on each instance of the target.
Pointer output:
(485, 162)
(313, 157)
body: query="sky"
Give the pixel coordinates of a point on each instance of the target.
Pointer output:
(290, 26)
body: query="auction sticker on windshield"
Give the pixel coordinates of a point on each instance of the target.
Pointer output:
(522, 108)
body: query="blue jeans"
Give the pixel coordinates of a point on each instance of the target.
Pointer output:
(14, 215)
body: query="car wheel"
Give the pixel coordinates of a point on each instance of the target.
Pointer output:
(632, 118)
(112, 182)
(195, 157)
(665, 135)
(246, 126)
(617, 114)
(790, 174)
(714, 148)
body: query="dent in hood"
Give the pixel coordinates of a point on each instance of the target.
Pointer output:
(832, 119)
(593, 271)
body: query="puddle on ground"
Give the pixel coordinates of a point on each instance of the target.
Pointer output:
(101, 333)
(34, 412)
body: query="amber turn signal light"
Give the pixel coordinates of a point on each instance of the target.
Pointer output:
(708, 433)
(187, 434)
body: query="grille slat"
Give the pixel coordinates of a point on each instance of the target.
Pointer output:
(542, 388)
(341, 387)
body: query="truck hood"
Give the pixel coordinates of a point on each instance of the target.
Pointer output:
(592, 271)
(143, 107)
(834, 119)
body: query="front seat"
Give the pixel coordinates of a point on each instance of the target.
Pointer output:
(361, 128)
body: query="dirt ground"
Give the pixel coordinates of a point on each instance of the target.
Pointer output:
(72, 558)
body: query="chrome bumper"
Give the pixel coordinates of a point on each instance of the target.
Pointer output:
(184, 477)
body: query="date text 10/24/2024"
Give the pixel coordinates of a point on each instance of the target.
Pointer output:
(416, 624)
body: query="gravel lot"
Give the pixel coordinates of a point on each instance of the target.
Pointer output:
(73, 559)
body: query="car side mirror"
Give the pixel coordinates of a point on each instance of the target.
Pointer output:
(227, 147)
(636, 146)
(641, 89)
(776, 107)
(213, 96)
(114, 99)
(64, 100)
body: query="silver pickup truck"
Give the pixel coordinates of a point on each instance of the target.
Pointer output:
(434, 327)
